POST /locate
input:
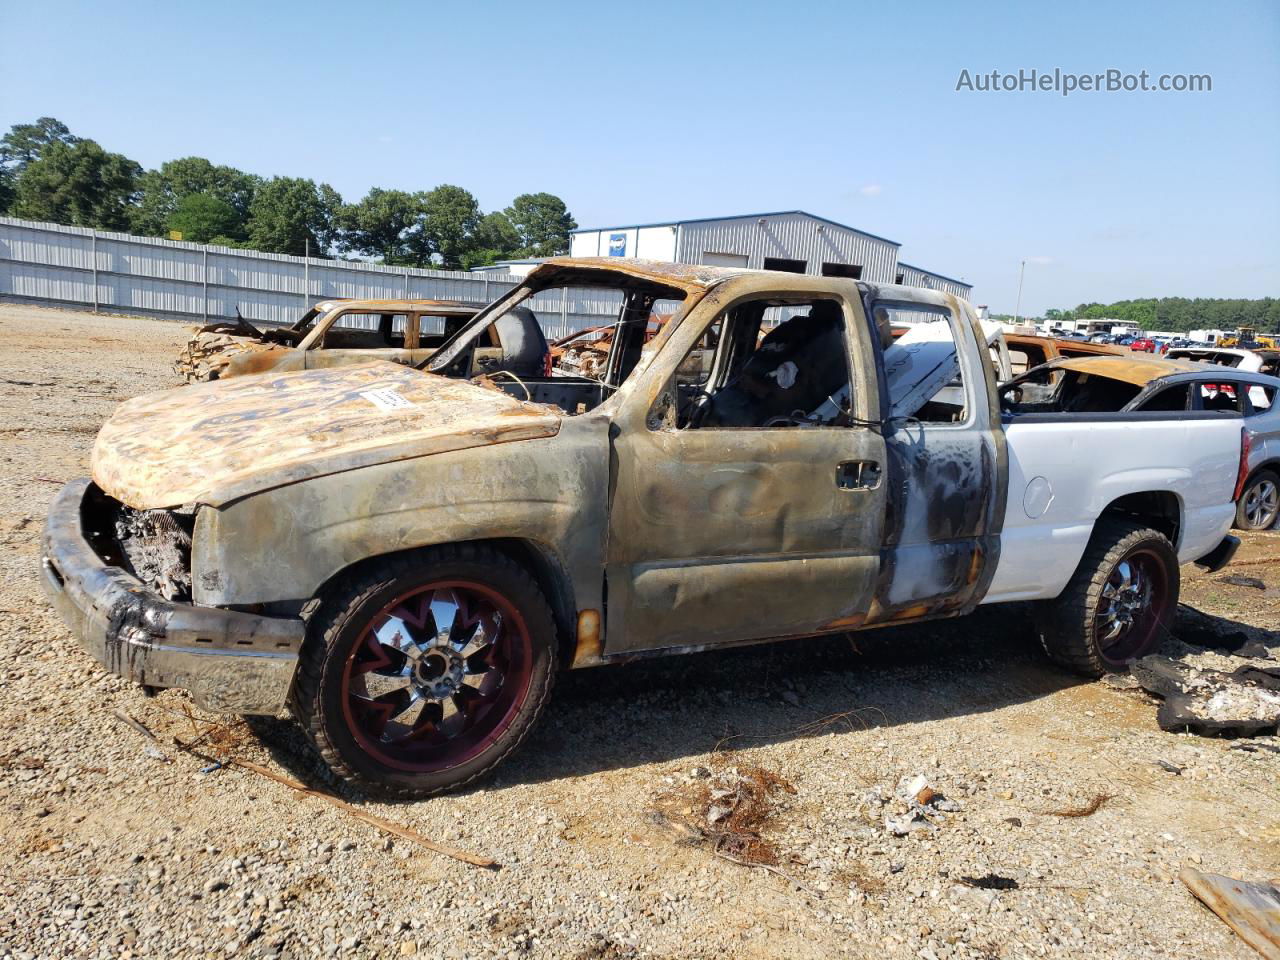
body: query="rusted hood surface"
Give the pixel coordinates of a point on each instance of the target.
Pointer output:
(214, 442)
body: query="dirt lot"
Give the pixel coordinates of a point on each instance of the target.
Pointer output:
(116, 846)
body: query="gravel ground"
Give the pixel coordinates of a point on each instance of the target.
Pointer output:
(116, 848)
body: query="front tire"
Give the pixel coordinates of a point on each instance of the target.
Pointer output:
(1259, 502)
(1118, 605)
(422, 672)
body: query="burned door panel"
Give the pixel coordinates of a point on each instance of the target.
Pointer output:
(724, 534)
(946, 501)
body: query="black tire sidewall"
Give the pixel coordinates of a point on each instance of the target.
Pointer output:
(347, 626)
(1067, 624)
(1155, 543)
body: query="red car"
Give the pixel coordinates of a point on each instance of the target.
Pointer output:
(1144, 344)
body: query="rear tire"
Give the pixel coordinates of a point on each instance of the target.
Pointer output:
(422, 672)
(1118, 605)
(1259, 502)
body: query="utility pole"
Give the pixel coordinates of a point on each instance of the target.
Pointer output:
(1018, 309)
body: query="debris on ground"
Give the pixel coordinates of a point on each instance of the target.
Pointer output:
(990, 881)
(155, 745)
(1245, 701)
(1087, 809)
(1236, 580)
(1201, 630)
(914, 805)
(1252, 910)
(731, 810)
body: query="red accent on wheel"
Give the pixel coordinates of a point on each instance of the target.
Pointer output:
(437, 675)
(1129, 614)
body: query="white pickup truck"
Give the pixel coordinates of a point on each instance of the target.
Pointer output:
(404, 557)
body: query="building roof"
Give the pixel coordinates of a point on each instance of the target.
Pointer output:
(742, 216)
(934, 273)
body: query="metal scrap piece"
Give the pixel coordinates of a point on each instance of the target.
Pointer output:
(1252, 910)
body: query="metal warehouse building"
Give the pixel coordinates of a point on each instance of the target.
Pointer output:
(916, 277)
(790, 240)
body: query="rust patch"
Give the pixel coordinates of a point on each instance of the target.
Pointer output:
(589, 642)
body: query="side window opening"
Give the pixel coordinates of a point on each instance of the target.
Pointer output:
(766, 364)
(1082, 393)
(1170, 399)
(366, 331)
(1220, 397)
(922, 365)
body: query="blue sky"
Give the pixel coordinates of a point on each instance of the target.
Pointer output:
(637, 112)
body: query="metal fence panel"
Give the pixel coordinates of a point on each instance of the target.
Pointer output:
(75, 266)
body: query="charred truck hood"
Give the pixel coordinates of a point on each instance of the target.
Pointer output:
(216, 442)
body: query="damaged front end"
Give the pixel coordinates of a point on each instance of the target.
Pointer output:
(120, 578)
(155, 546)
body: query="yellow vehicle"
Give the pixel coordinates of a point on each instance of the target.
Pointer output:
(1248, 337)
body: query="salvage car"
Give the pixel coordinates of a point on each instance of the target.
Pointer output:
(405, 558)
(1169, 384)
(1026, 352)
(341, 332)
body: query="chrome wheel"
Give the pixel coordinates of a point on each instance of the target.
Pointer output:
(437, 675)
(1130, 606)
(1261, 504)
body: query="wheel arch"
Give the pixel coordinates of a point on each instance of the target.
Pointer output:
(540, 560)
(1159, 509)
(1272, 464)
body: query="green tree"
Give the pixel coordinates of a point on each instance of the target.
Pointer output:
(79, 184)
(24, 142)
(494, 239)
(288, 214)
(542, 222)
(450, 216)
(380, 224)
(163, 189)
(21, 145)
(200, 217)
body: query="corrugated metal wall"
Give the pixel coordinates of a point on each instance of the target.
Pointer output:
(915, 277)
(790, 236)
(116, 272)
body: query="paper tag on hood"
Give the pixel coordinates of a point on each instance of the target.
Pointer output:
(387, 399)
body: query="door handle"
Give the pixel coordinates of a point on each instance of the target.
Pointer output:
(857, 475)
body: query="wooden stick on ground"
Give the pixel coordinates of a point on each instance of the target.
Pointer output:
(369, 818)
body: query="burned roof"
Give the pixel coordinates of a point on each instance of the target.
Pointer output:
(688, 276)
(413, 304)
(1140, 370)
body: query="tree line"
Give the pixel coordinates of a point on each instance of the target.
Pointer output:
(1181, 314)
(48, 173)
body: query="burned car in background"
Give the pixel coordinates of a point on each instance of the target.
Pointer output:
(341, 332)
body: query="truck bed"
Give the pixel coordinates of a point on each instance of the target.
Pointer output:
(1065, 469)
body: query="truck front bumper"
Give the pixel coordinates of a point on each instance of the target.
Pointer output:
(229, 661)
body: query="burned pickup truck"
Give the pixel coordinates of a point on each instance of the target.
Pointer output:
(406, 557)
